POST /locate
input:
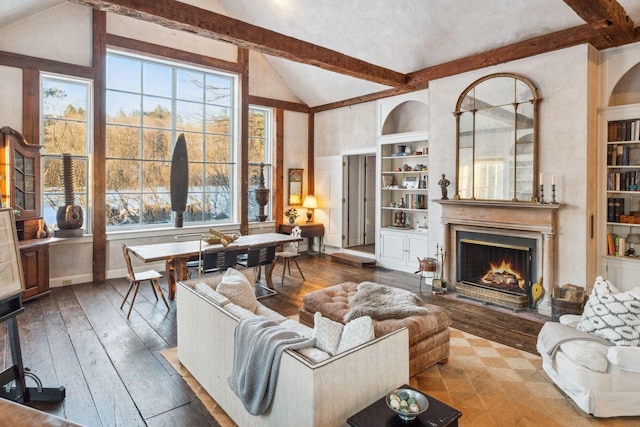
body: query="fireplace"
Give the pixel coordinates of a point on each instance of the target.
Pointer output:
(524, 234)
(496, 268)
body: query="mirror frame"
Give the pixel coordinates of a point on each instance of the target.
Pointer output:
(295, 187)
(535, 100)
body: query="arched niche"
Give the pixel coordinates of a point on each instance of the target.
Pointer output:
(627, 89)
(409, 116)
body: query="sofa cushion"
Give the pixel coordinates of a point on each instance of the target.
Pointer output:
(313, 354)
(625, 358)
(356, 332)
(591, 355)
(238, 311)
(612, 315)
(269, 314)
(235, 286)
(209, 293)
(302, 330)
(327, 334)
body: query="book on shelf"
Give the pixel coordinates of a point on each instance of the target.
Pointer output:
(623, 181)
(624, 130)
(611, 249)
(615, 208)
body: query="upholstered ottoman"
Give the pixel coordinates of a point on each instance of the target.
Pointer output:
(428, 333)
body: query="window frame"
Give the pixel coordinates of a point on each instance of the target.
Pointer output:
(268, 141)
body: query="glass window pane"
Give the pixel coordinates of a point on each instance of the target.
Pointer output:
(123, 208)
(124, 73)
(218, 119)
(123, 108)
(195, 149)
(256, 150)
(123, 176)
(62, 99)
(189, 116)
(123, 142)
(190, 85)
(157, 145)
(157, 80)
(219, 90)
(155, 176)
(156, 209)
(157, 112)
(61, 136)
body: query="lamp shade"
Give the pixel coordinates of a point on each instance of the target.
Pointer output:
(633, 238)
(310, 202)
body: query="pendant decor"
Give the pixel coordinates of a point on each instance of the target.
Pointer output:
(179, 180)
(69, 217)
(262, 195)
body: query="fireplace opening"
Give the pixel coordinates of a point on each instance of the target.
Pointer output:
(496, 268)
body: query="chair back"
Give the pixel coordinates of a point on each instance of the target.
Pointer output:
(127, 259)
(296, 232)
(261, 256)
(218, 260)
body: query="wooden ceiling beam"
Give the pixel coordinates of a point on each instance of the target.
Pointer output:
(607, 17)
(184, 17)
(535, 46)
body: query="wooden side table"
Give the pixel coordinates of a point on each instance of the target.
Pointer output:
(379, 414)
(309, 230)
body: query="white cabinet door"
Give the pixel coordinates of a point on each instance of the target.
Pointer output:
(623, 273)
(392, 248)
(418, 247)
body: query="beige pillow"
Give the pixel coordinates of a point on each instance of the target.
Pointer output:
(327, 333)
(235, 286)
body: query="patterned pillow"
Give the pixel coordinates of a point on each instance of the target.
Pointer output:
(327, 333)
(612, 315)
(356, 332)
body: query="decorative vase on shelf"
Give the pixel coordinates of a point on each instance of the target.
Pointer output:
(292, 220)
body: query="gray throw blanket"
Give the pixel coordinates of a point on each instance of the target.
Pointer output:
(382, 302)
(553, 334)
(259, 343)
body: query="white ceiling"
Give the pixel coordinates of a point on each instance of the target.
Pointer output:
(401, 35)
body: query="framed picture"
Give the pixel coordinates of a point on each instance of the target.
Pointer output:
(295, 186)
(10, 264)
(387, 181)
(410, 182)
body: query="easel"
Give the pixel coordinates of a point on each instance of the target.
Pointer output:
(10, 307)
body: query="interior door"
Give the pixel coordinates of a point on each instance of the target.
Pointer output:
(328, 189)
(370, 200)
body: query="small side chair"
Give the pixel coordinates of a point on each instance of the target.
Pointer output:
(136, 278)
(290, 255)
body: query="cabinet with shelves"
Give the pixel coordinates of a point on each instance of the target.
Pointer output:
(403, 200)
(621, 206)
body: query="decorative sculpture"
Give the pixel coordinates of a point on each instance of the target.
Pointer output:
(262, 195)
(444, 183)
(179, 181)
(70, 216)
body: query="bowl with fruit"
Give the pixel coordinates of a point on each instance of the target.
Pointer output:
(407, 403)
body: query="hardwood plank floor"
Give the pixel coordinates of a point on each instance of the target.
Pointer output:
(112, 368)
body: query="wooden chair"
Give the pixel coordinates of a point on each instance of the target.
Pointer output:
(136, 278)
(291, 255)
(213, 260)
(256, 258)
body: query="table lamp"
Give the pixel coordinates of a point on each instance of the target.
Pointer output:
(310, 203)
(632, 238)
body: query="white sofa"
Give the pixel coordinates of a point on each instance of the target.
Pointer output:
(307, 393)
(602, 378)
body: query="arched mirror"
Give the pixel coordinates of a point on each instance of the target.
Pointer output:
(497, 139)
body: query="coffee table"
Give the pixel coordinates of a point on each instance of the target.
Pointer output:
(379, 414)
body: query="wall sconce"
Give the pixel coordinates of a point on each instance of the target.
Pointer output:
(310, 203)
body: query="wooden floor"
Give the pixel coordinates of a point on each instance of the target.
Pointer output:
(112, 368)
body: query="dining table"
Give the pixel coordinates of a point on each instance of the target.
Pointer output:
(177, 254)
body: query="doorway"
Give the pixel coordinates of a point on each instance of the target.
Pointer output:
(360, 203)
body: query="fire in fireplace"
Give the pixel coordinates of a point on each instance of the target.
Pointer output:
(498, 268)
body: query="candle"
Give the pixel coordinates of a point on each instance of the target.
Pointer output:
(540, 181)
(553, 180)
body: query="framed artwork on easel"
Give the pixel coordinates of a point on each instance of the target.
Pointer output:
(10, 263)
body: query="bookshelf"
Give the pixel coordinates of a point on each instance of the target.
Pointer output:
(622, 182)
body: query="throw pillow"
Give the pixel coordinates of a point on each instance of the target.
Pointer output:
(356, 332)
(235, 286)
(208, 292)
(327, 333)
(612, 315)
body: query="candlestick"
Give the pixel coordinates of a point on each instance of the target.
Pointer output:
(541, 198)
(553, 180)
(540, 179)
(553, 194)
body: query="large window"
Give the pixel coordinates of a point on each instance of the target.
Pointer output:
(65, 128)
(260, 142)
(148, 104)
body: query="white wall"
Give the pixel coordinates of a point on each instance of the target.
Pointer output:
(561, 78)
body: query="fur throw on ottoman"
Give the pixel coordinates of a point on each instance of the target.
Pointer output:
(383, 302)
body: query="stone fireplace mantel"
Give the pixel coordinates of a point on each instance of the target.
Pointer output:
(535, 220)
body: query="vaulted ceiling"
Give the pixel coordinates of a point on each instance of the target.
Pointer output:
(336, 52)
